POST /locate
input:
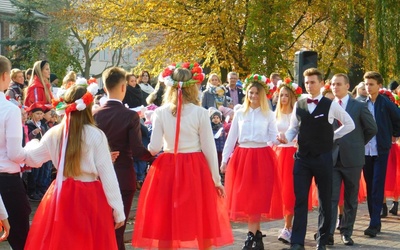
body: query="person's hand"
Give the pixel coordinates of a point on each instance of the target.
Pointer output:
(282, 138)
(114, 155)
(36, 131)
(223, 167)
(4, 225)
(119, 224)
(221, 191)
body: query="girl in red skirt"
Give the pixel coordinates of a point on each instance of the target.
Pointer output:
(180, 203)
(251, 179)
(83, 206)
(288, 93)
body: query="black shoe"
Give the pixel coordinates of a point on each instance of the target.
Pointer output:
(248, 244)
(296, 247)
(258, 240)
(315, 236)
(347, 240)
(379, 228)
(371, 232)
(339, 222)
(34, 197)
(320, 247)
(394, 208)
(331, 241)
(384, 211)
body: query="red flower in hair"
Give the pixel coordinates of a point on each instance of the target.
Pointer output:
(167, 72)
(299, 91)
(185, 65)
(288, 80)
(87, 98)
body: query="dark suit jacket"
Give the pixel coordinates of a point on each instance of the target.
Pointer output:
(239, 92)
(351, 146)
(387, 117)
(122, 128)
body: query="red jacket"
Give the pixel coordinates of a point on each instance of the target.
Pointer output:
(35, 93)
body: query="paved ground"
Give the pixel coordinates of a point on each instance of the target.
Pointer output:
(388, 239)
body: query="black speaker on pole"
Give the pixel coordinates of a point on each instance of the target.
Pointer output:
(303, 60)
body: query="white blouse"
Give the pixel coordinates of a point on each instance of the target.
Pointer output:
(251, 130)
(95, 162)
(195, 135)
(282, 125)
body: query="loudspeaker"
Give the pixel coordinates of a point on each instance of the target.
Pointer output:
(303, 60)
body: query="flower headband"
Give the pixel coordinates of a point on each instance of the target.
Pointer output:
(264, 81)
(195, 69)
(388, 94)
(64, 108)
(291, 85)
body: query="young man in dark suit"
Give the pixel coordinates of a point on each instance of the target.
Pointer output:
(348, 157)
(312, 120)
(122, 128)
(387, 117)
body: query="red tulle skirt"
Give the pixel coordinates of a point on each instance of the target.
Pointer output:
(392, 183)
(253, 186)
(179, 206)
(84, 221)
(285, 170)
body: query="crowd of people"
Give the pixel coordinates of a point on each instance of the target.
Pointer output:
(249, 152)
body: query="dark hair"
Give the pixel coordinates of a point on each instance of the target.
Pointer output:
(314, 72)
(393, 85)
(374, 75)
(113, 76)
(43, 63)
(141, 76)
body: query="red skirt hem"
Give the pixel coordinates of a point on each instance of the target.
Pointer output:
(253, 185)
(179, 206)
(84, 220)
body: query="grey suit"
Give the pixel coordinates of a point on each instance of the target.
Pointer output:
(349, 158)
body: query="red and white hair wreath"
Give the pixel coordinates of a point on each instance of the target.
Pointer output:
(297, 90)
(268, 86)
(63, 108)
(195, 69)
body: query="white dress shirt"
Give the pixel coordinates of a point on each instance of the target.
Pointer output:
(335, 112)
(282, 125)
(11, 151)
(253, 129)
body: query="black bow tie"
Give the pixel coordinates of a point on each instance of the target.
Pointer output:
(312, 101)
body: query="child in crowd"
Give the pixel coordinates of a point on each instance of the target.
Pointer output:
(227, 117)
(219, 134)
(36, 131)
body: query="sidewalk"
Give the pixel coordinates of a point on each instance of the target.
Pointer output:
(388, 239)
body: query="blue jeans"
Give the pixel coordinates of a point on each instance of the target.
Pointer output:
(140, 169)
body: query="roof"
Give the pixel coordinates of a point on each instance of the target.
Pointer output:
(8, 8)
